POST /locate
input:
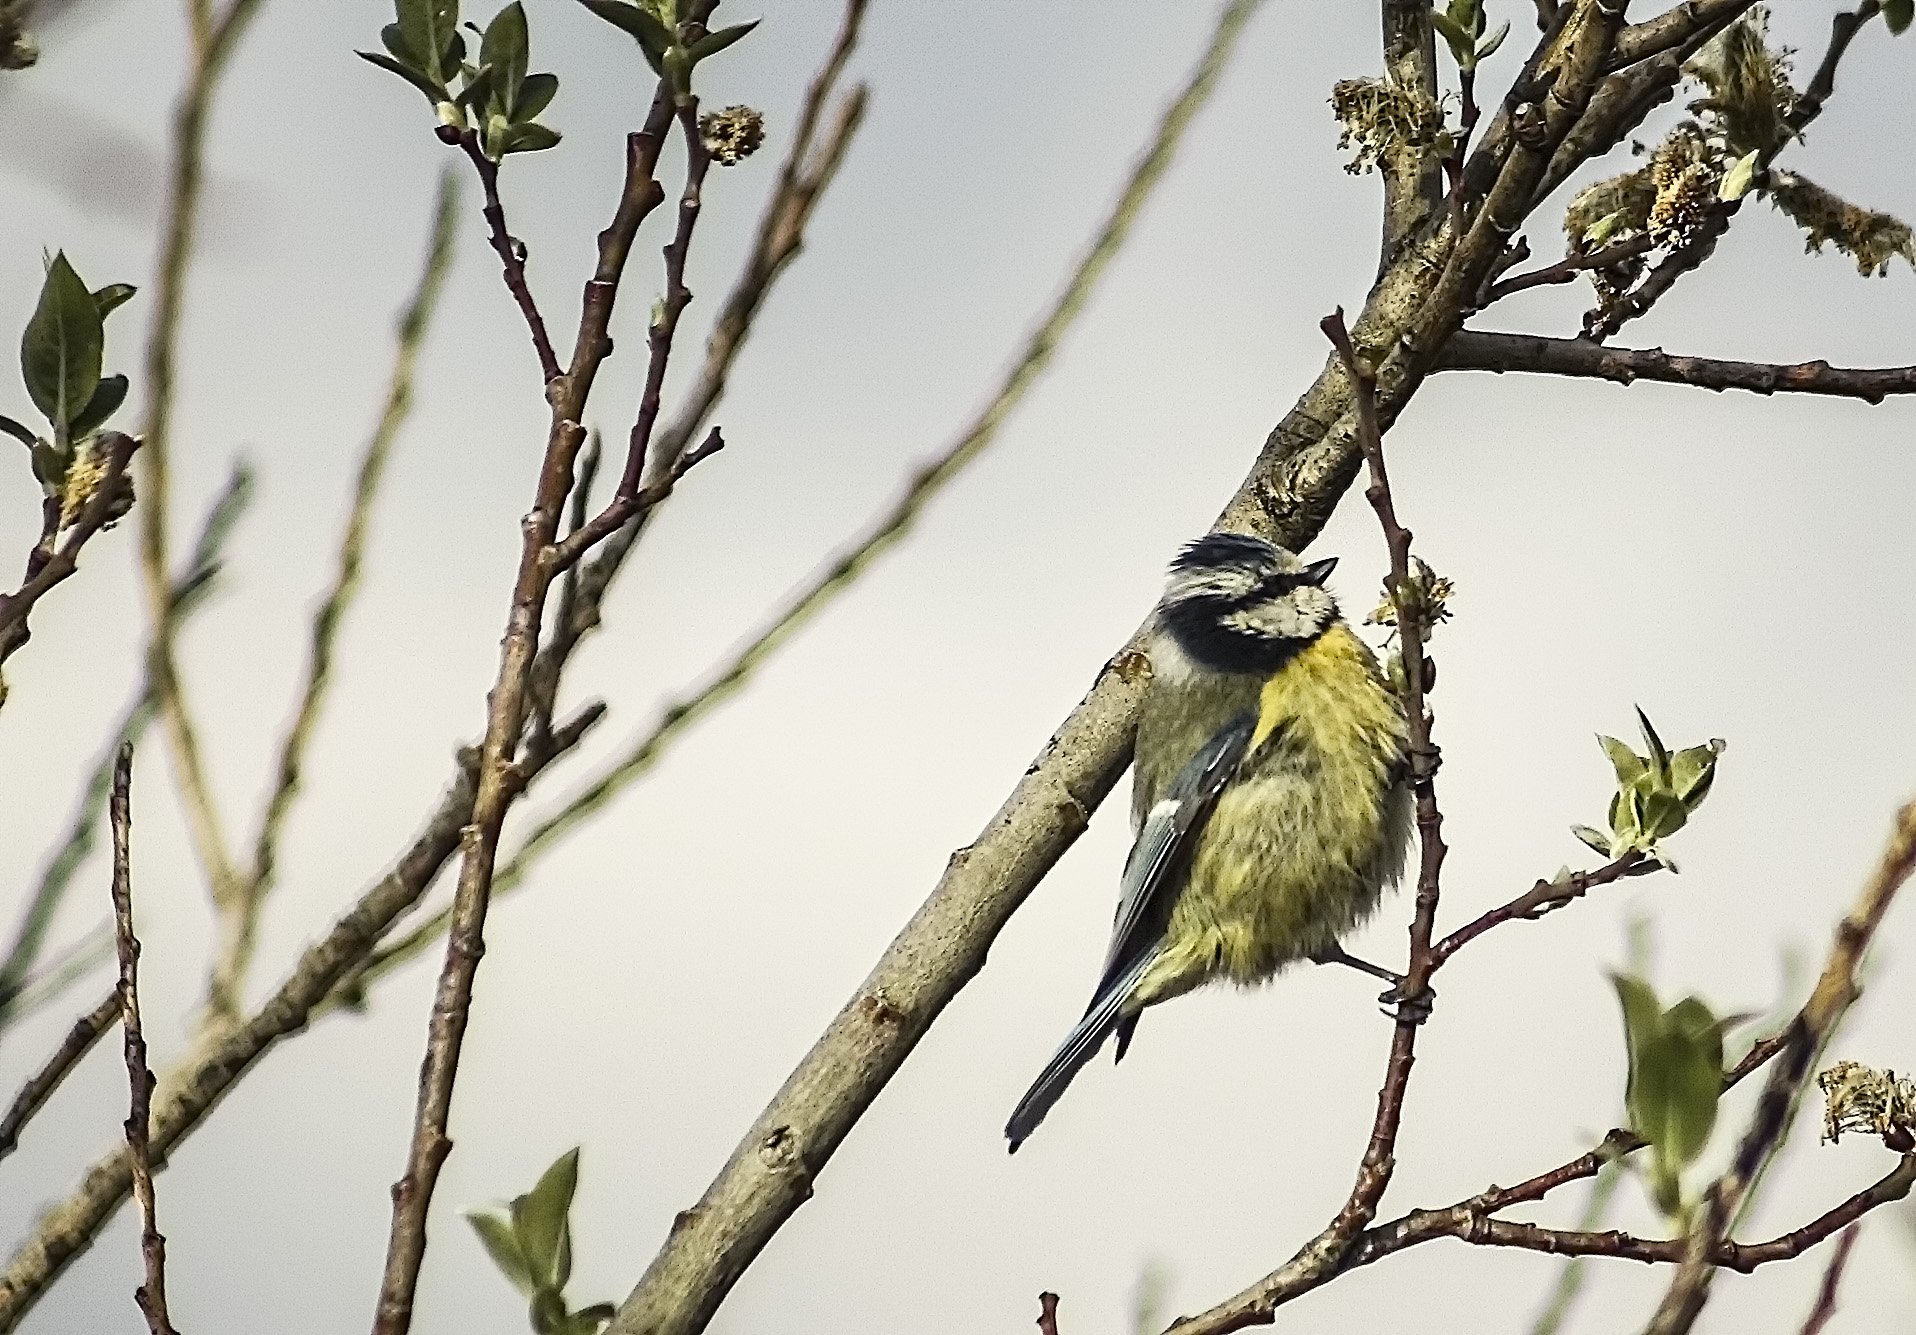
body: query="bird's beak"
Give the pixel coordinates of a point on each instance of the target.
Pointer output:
(1319, 571)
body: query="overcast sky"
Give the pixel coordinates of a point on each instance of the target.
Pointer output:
(1738, 566)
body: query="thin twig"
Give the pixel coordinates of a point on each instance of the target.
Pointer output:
(1825, 1308)
(508, 702)
(79, 1041)
(51, 561)
(1568, 269)
(190, 1092)
(1488, 350)
(1047, 1313)
(215, 37)
(239, 921)
(1379, 1160)
(151, 1296)
(190, 592)
(1544, 897)
(510, 249)
(803, 177)
(1835, 991)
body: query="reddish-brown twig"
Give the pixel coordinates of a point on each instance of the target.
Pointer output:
(151, 1295)
(1496, 351)
(1825, 1308)
(1568, 269)
(1541, 898)
(1047, 1314)
(510, 249)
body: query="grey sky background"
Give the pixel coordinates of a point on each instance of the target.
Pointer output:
(1737, 566)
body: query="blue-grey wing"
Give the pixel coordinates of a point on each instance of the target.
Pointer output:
(1148, 891)
(1164, 840)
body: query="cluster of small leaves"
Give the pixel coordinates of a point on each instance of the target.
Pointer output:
(732, 134)
(1656, 794)
(1676, 1079)
(1870, 238)
(1427, 593)
(531, 1243)
(496, 97)
(673, 46)
(1382, 121)
(18, 51)
(1878, 1103)
(1748, 98)
(61, 357)
(1461, 24)
(1722, 152)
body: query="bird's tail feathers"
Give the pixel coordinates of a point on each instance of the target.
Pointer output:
(1079, 1047)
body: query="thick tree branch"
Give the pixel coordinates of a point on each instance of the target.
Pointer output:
(151, 1295)
(1675, 27)
(1413, 182)
(1485, 350)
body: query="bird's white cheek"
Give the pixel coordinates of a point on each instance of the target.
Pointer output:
(1170, 665)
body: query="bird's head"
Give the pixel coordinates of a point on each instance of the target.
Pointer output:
(1234, 603)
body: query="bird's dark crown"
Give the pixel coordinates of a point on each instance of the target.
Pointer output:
(1235, 603)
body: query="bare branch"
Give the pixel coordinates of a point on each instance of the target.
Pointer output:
(1544, 897)
(1825, 1308)
(1678, 26)
(239, 920)
(1047, 1314)
(151, 1295)
(190, 592)
(1484, 350)
(510, 249)
(803, 178)
(216, 34)
(508, 703)
(1835, 991)
(33, 1095)
(187, 1094)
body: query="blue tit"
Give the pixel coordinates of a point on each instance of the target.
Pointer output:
(1269, 796)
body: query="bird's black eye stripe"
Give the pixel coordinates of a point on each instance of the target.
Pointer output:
(1275, 585)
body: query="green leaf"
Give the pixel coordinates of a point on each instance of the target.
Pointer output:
(113, 296)
(476, 87)
(106, 401)
(60, 351)
(429, 28)
(1641, 1032)
(714, 42)
(50, 464)
(1454, 35)
(539, 1217)
(1663, 814)
(1597, 839)
(1627, 763)
(654, 37)
(1897, 14)
(503, 50)
(548, 1314)
(1738, 180)
(1693, 771)
(527, 138)
(435, 93)
(495, 1232)
(393, 38)
(1659, 757)
(596, 1315)
(18, 432)
(1694, 1043)
(1488, 47)
(536, 92)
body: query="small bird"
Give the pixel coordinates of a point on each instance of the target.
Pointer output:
(1270, 794)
